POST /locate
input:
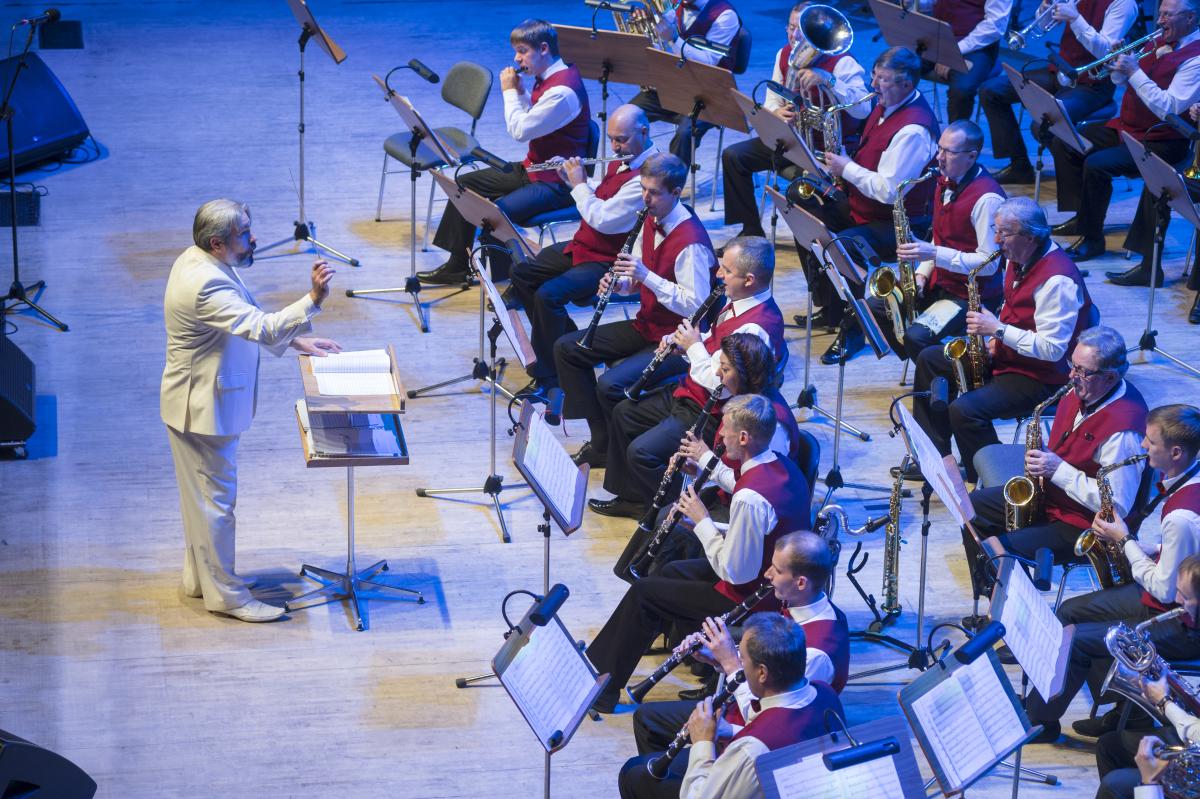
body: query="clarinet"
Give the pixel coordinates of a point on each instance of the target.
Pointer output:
(659, 766)
(641, 566)
(732, 618)
(606, 295)
(634, 392)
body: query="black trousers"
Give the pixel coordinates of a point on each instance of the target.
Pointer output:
(997, 96)
(917, 338)
(1140, 238)
(518, 196)
(969, 418)
(1091, 176)
(681, 142)
(1093, 614)
(962, 86)
(642, 438)
(739, 162)
(683, 593)
(635, 782)
(545, 285)
(655, 724)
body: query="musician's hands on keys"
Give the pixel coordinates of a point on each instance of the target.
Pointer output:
(1194, 112)
(835, 163)
(993, 347)
(942, 71)
(1065, 12)
(322, 273)
(1149, 767)
(688, 467)
(319, 347)
(1112, 531)
(511, 79)
(917, 251)
(631, 268)
(572, 172)
(691, 505)
(718, 641)
(1041, 463)
(982, 323)
(693, 447)
(1125, 65)
(922, 281)
(685, 335)
(702, 724)
(809, 79)
(788, 114)
(665, 28)
(1155, 690)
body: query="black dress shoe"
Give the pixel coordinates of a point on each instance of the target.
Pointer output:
(1137, 276)
(1194, 314)
(606, 703)
(590, 455)
(1067, 228)
(912, 474)
(448, 274)
(1095, 727)
(511, 301)
(847, 347)
(1006, 655)
(706, 689)
(617, 507)
(1051, 730)
(1016, 172)
(1086, 250)
(819, 321)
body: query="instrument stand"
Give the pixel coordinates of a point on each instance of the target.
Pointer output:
(603, 115)
(694, 116)
(18, 293)
(305, 230)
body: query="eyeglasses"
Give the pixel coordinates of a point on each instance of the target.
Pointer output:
(947, 151)
(1076, 369)
(1007, 234)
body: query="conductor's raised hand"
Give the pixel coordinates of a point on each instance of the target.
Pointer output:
(510, 79)
(322, 273)
(319, 347)
(686, 335)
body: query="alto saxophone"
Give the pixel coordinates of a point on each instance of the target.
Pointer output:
(1023, 493)
(1108, 559)
(898, 288)
(966, 353)
(891, 546)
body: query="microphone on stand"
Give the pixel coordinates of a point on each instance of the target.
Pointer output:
(939, 394)
(423, 71)
(50, 15)
(548, 605)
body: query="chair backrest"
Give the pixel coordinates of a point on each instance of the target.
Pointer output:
(593, 144)
(467, 86)
(742, 42)
(808, 458)
(780, 368)
(1093, 315)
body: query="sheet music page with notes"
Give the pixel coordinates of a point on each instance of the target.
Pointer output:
(551, 466)
(1031, 630)
(808, 778)
(549, 680)
(354, 373)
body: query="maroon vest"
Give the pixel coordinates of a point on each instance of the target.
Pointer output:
(782, 484)
(963, 15)
(953, 227)
(1078, 447)
(1074, 53)
(851, 126)
(875, 140)
(703, 22)
(654, 320)
(569, 141)
(1185, 498)
(766, 315)
(1018, 311)
(832, 636)
(590, 245)
(1135, 117)
(778, 727)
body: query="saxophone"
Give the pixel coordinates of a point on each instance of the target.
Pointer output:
(1111, 565)
(898, 288)
(891, 546)
(1023, 493)
(966, 353)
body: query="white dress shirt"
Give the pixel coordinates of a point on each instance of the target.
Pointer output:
(990, 28)
(1181, 92)
(1179, 535)
(736, 554)
(906, 155)
(618, 213)
(557, 106)
(1056, 305)
(850, 85)
(723, 29)
(1187, 726)
(704, 365)
(1118, 19)
(983, 219)
(1116, 448)
(693, 269)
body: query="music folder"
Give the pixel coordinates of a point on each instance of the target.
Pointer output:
(304, 16)
(1038, 640)
(930, 38)
(777, 134)
(548, 469)
(1162, 178)
(510, 321)
(483, 213)
(435, 145)
(604, 55)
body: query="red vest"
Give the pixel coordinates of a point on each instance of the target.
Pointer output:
(703, 22)
(875, 140)
(1074, 53)
(851, 126)
(569, 141)
(832, 636)
(1135, 117)
(778, 727)
(1185, 498)
(1018, 310)
(1078, 447)
(590, 245)
(963, 15)
(654, 320)
(952, 227)
(766, 315)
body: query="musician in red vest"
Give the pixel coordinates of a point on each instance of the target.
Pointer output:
(790, 708)
(1046, 306)
(1165, 81)
(714, 20)
(1092, 29)
(554, 118)
(671, 267)
(569, 272)
(825, 80)
(964, 235)
(770, 497)
(1172, 442)
(897, 143)
(978, 26)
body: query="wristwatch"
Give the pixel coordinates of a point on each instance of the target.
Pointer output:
(1000, 333)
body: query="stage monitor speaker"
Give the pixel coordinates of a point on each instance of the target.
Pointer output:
(27, 769)
(17, 385)
(46, 122)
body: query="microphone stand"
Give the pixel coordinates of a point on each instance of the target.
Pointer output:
(18, 293)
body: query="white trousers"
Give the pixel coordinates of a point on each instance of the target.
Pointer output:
(206, 471)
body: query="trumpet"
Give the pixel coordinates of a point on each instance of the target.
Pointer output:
(602, 301)
(550, 166)
(1097, 69)
(1042, 24)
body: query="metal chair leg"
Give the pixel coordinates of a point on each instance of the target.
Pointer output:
(382, 181)
(712, 204)
(428, 216)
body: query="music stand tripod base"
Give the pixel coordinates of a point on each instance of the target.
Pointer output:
(304, 231)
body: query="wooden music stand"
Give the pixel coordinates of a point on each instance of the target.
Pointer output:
(1054, 121)
(383, 413)
(930, 38)
(780, 137)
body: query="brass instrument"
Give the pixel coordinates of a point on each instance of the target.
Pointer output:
(832, 520)
(1023, 493)
(1181, 778)
(634, 391)
(660, 765)
(1042, 24)
(967, 353)
(1108, 559)
(602, 301)
(1193, 171)
(550, 166)
(898, 288)
(646, 23)
(1097, 69)
(1136, 662)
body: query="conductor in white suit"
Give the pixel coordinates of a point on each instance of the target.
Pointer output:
(210, 387)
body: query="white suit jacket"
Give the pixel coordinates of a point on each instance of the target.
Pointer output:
(214, 331)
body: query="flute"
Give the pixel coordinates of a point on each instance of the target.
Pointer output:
(659, 766)
(550, 166)
(634, 391)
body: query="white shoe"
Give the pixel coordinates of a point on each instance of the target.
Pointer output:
(255, 611)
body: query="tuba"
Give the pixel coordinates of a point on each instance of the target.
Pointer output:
(898, 288)
(1023, 493)
(1109, 561)
(966, 353)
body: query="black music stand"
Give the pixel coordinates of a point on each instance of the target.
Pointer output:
(1053, 121)
(305, 230)
(1169, 191)
(930, 38)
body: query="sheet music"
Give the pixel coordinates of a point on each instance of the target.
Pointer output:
(809, 779)
(550, 465)
(934, 468)
(1032, 631)
(938, 315)
(354, 373)
(335, 435)
(549, 680)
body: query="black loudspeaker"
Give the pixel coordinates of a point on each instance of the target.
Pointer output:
(46, 122)
(16, 398)
(27, 769)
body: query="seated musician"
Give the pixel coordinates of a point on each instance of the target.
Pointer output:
(897, 144)
(1172, 441)
(791, 709)
(964, 235)
(553, 118)
(1092, 28)
(672, 266)
(570, 271)
(1046, 305)
(1166, 81)
(978, 26)
(839, 77)
(714, 20)
(770, 497)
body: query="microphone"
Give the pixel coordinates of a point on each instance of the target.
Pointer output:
(606, 5)
(787, 94)
(492, 160)
(1181, 126)
(554, 405)
(1044, 565)
(50, 15)
(874, 524)
(423, 71)
(862, 753)
(939, 394)
(548, 605)
(984, 640)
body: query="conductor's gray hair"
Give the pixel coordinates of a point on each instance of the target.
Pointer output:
(217, 219)
(1028, 214)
